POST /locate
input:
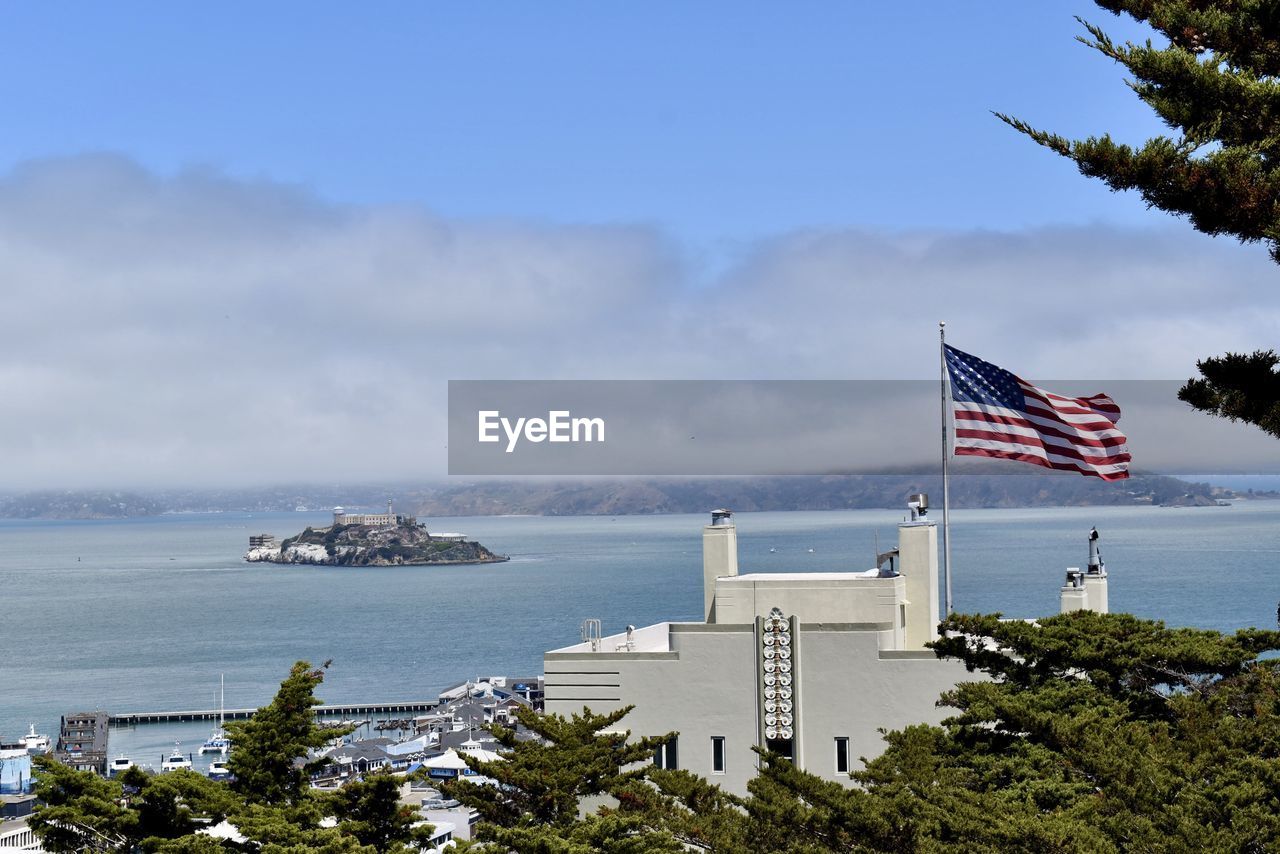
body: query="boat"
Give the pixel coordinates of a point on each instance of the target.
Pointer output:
(218, 770)
(217, 742)
(175, 760)
(34, 742)
(119, 764)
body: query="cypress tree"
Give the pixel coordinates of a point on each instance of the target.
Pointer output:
(269, 750)
(1215, 85)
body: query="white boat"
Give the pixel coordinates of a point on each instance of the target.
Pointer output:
(119, 764)
(175, 760)
(217, 742)
(218, 770)
(34, 742)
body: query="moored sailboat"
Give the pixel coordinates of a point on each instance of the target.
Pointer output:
(217, 742)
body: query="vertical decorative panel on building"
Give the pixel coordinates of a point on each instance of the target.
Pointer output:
(777, 683)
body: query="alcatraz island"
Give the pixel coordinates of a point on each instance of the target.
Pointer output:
(370, 539)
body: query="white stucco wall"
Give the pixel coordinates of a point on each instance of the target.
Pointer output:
(705, 685)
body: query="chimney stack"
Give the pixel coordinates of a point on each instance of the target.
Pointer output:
(1073, 596)
(918, 563)
(1087, 590)
(719, 557)
(1095, 579)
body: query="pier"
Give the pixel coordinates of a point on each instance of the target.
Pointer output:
(346, 710)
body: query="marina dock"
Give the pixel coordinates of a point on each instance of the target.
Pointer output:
(346, 710)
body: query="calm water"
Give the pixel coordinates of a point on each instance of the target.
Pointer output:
(144, 614)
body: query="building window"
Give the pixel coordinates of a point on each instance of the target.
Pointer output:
(717, 754)
(666, 756)
(842, 755)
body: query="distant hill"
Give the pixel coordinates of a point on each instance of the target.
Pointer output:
(835, 492)
(79, 504)
(613, 497)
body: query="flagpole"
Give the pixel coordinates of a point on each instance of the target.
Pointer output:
(946, 467)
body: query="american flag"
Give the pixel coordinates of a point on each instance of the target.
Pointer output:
(999, 415)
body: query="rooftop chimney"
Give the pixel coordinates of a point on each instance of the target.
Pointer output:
(918, 563)
(719, 557)
(1086, 590)
(919, 506)
(1073, 596)
(1095, 579)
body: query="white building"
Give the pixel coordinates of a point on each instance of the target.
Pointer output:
(377, 520)
(17, 836)
(809, 664)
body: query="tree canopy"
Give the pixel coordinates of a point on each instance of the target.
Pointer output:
(1216, 86)
(543, 781)
(267, 747)
(270, 801)
(1084, 732)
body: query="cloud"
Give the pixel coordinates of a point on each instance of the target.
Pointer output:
(195, 329)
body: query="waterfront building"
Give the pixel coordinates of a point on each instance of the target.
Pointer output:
(15, 771)
(18, 836)
(361, 757)
(82, 741)
(808, 664)
(16, 806)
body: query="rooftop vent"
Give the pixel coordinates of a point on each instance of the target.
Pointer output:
(919, 504)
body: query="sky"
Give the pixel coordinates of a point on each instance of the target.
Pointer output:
(246, 243)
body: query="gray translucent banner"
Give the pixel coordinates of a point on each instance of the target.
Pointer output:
(771, 427)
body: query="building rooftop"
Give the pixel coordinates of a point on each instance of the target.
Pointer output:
(843, 577)
(655, 638)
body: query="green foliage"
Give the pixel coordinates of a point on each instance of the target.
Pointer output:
(266, 748)
(295, 828)
(270, 803)
(698, 814)
(1239, 387)
(80, 811)
(1094, 733)
(541, 782)
(1215, 86)
(370, 810)
(605, 833)
(84, 812)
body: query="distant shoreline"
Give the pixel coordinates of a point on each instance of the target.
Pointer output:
(636, 497)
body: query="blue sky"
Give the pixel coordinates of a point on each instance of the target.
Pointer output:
(237, 238)
(717, 121)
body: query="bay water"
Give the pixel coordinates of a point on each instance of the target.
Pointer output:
(145, 614)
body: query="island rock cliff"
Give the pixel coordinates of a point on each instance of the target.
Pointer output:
(403, 544)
